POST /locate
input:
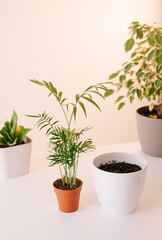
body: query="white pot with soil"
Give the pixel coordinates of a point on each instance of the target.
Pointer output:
(149, 131)
(119, 193)
(14, 160)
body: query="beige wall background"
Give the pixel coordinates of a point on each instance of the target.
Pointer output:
(73, 43)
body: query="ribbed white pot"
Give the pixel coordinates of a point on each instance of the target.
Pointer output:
(14, 161)
(119, 193)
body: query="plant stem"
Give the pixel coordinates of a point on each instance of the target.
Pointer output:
(63, 182)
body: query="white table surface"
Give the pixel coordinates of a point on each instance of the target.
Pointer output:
(29, 208)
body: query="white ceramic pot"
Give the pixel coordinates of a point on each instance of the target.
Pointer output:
(14, 161)
(149, 132)
(119, 193)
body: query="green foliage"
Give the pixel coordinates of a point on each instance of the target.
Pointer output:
(11, 134)
(141, 75)
(65, 143)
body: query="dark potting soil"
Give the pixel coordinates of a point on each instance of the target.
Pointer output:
(2, 146)
(58, 184)
(147, 113)
(119, 167)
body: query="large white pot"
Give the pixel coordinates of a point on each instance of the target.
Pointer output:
(149, 132)
(14, 161)
(119, 193)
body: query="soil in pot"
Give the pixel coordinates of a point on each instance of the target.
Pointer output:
(58, 184)
(145, 112)
(119, 167)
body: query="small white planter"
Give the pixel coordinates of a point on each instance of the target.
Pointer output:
(14, 161)
(119, 193)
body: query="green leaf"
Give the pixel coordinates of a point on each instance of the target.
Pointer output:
(158, 59)
(74, 111)
(98, 93)
(131, 98)
(135, 23)
(91, 101)
(5, 134)
(128, 67)
(60, 95)
(113, 75)
(129, 44)
(21, 133)
(52, 88)
(122, 78)
(151, 54)
(139, 93)
(83, 107)
(151, 41)
(36, 82)
(133, 54)
(140, 75)
(13, 124)
(158, 38)
(77, 97)
(151, 91)
(7, 125)
(129, 83)
(109, 92)
(140, 33)
(12, 143)
(157, 84)
(121, 105)
(119, 98)
(3, 141)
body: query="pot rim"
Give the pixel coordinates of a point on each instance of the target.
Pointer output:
(146, 107)
(27, 141)
(121, 174)
(68, 189)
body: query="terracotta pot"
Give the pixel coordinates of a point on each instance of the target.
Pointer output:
(149, 132)
(68, 200)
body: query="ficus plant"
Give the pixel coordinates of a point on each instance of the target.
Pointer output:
(12, 134)
(141, 75)
(65, 143)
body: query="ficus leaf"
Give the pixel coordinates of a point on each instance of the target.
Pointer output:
(158, 38)
(109, 92)
(151, 91)
(151, 54)
(113, 75)
(129, 83)
(121, 105)
(151, 41)
(119, 98)
(140, 33)
(157, 84)
(139, 93)
(129, 44)
(122, 78)
(128, 67)
(158, 59)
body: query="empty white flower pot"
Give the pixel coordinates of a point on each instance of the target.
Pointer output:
(119, 193)
(14, 161)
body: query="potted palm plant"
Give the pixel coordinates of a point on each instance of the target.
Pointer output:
(65, 143)
(141, 77)
(15, 149)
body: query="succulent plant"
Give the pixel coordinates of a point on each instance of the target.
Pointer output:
(11, 134)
